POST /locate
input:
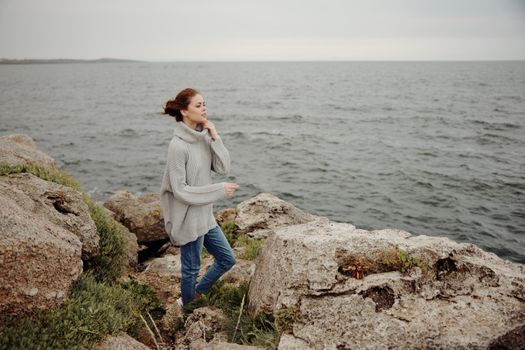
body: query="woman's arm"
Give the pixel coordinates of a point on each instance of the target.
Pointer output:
(189, 195)
(220, 157)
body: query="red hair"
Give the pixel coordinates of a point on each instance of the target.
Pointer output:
(181, 101)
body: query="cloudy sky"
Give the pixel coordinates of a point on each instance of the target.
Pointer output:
(247, 30)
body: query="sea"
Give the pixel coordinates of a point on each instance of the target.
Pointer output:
(433, 148)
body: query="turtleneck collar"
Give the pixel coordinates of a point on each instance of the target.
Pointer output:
(187, 134)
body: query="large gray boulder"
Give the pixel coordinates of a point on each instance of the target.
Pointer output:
(342, 287)
(39, 257)
(260, 215)
(60, 205)
(142, 215)
(19, 149)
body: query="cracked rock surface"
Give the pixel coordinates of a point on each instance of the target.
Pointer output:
(41, 245)
(456, 296)
(61, 205)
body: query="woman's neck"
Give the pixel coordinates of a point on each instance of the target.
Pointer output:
(191, 124)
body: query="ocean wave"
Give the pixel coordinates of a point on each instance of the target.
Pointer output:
(235, 134)
(288, 195)
(128, 133)
(495, 125)
(294, 117)
(490, 138)
(513, 98)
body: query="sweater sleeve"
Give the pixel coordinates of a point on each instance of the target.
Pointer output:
(220, 157)
(189, 195)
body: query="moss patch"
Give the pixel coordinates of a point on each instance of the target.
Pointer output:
(56, 176)
(398, 259)
(285, 318)
(392, 259)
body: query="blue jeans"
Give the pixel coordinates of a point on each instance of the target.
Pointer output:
(190, 258)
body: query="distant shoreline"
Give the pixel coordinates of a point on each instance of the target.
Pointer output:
(64, 60)
(6, 61)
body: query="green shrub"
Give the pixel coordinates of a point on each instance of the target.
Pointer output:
(230, 231)
(92, 311)
(112, 261)
(252, 247)
(144, 296)
(226, 296)
(258, 330)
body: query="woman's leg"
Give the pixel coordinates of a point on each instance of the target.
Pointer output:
(190, 261)
(218, 246)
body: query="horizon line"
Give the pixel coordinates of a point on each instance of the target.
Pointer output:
(2, 59)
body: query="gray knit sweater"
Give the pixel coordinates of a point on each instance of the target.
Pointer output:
(187, 192)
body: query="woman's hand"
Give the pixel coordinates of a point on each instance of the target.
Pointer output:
(230, 188)
(211, 129)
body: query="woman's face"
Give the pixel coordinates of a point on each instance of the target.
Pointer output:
(196, 111)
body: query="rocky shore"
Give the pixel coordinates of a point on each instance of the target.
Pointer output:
(300, 282)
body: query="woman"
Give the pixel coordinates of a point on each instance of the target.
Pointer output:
(187, 193)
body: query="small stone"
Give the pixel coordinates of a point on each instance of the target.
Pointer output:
(31, 292)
